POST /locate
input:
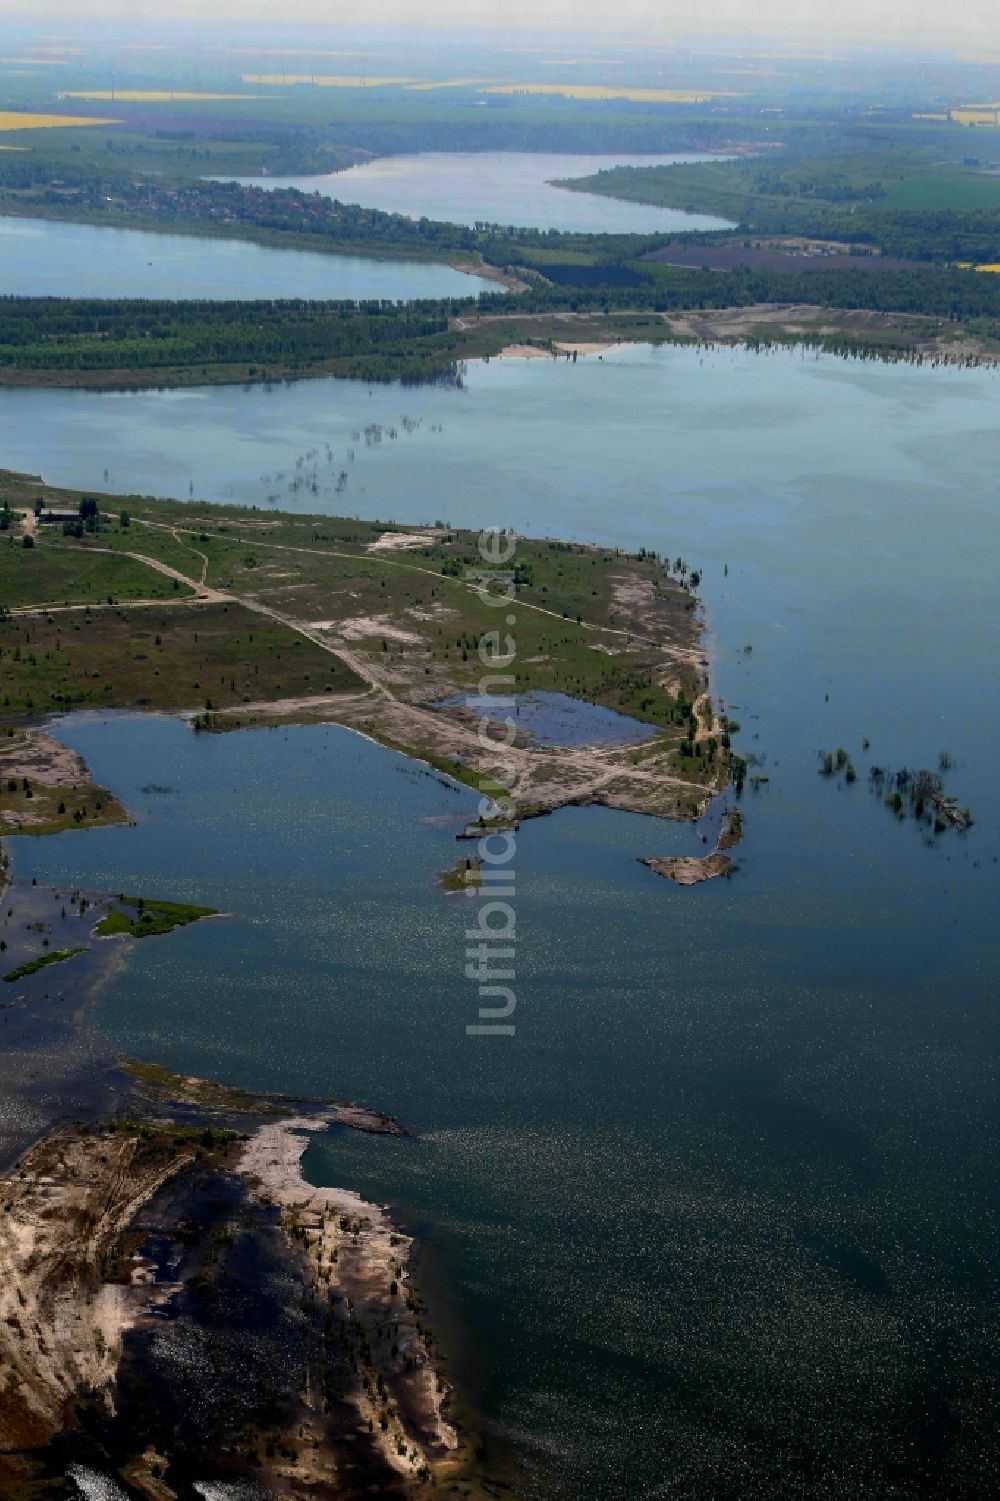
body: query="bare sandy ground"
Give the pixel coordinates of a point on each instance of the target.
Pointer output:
(357, 627)
(69, 1289)
(524, 352)
(41, 758)
(402, 541)
(61, 1326)
(689, 870)
(360, 1261)
(591, 346)
(924, 336)
(568, 347)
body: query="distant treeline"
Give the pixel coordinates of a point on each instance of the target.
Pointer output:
(575, 265)
(938, 291)
(308, 219)
(843, 197)
(379, 340)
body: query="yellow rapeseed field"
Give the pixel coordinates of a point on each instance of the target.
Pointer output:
(12, 119)
(990, 266)
(447, 83)
(148, 96)
(326, 80)
(601, 91)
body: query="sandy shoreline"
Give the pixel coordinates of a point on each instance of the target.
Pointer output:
(361, 1262)
(566, 347)
(76, 1277)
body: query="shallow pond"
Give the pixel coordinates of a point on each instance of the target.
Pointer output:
(557, 719)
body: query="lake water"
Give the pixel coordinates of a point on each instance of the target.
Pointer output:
(720, 1219)
(500, 187)
(45, 258)
(558, 719)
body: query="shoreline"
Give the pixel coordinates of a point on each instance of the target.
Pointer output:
(640, 649)
(91, 1210)
(267, 239)
(372, 1258)
(839, 333)
(385, 1398)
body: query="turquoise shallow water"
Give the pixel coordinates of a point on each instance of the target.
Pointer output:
(44, 258)
(720, 1220)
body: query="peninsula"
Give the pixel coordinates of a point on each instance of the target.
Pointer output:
(235, 617)
(131, 1217)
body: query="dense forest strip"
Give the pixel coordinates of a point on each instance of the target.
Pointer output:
(90, 342)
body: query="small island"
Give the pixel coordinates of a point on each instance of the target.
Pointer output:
(140, 917)
(915, 793)
(690, 870)
(464, 875)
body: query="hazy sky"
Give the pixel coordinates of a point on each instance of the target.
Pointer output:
(911, 23)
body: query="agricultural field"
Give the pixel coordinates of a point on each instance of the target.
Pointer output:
(600, 92)
(12, 119)
(899, 199)
(153, 96)
(326, 80)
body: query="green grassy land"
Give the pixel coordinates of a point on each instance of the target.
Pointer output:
(54, 956)
(419, 621)
(149, 918)
(894, 193)
(41, 576)
(463, 875)
(30, 806)
(194, 657)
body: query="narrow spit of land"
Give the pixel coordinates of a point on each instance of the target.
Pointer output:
(125, 1242)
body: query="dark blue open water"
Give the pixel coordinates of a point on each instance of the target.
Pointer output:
(720, 1221)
